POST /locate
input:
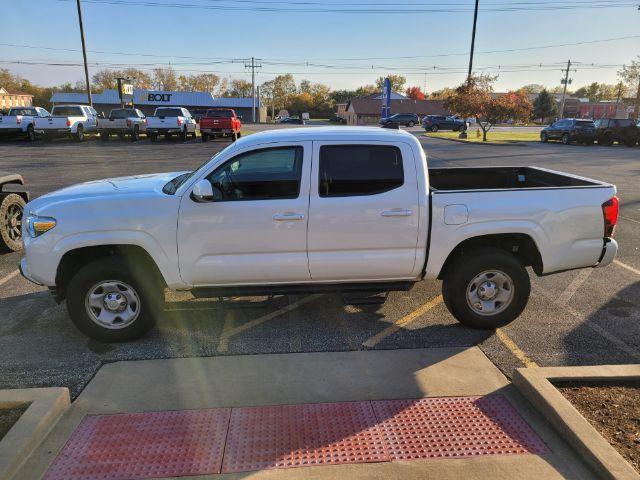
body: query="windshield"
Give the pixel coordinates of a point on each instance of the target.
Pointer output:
(219, 113)
(168, 112)
(173, 185)
(122, 113)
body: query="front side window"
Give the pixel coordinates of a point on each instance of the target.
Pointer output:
(355, 170)
(267, 174)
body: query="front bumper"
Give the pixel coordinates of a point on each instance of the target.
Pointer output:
(24, 271)
(216, 130)
(609, 251)
(162, 131)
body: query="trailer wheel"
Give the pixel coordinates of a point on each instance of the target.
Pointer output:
(486, 288)
(11, 213)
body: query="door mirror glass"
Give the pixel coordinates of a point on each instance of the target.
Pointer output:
(203, 191)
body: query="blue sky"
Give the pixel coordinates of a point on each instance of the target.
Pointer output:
(325, 38)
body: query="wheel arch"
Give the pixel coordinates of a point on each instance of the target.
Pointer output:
(521, 245)
(137, 259)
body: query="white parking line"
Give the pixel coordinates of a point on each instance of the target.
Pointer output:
(573, 287)
(9, 277)
(628, 267)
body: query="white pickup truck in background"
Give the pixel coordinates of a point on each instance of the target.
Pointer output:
(20, 122)
(349, 210)
(68, 120)
(121, 122)
(169, 121)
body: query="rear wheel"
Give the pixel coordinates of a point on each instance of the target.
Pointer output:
(205, 137)
(153, 137)
(104, 136)
(11, 213)
(79, 135)
(234, 136)
(183, 135)
(194, 135)
(135, 135)
(434, 128)
(410, 124)
(486, 288)
(106, 302)
(31, 133)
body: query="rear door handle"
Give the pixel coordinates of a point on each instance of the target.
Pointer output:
(288, 217)
(397, 212)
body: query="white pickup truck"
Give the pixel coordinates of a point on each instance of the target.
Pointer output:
(19, 122)
(170, 121)
(68, 120)
(121, 122)
(345, 209)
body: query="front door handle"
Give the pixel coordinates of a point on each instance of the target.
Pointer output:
(288, 216)
(397, 212)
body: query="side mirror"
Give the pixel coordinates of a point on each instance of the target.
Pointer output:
(202, 191)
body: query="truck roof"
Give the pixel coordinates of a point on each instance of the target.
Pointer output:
(325, 133)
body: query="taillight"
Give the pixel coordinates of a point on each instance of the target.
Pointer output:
(128, 122)
(180, 121)
(18, 119)
(610, 213)
(68, 122)
(146, 122)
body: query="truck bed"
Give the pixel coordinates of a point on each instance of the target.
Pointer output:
(501, 178)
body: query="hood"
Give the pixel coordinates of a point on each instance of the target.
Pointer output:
(134, 184)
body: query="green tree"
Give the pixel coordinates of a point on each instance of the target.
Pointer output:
(545, 106)
(397, 83)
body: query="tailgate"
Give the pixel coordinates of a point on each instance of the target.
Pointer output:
(213, 122)
(112, 123)
(49, 123)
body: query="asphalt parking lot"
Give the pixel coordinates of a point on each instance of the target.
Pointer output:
(573, 318)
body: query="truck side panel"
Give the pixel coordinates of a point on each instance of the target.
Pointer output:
(566, 224)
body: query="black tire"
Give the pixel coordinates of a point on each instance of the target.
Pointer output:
(630, 143)
(79, 135)
(608, 140)
(234, 136)
(544, 138)
(135, 135)
(194, 136)
(239, 134)
(205, 137)
(111, 269)
(31, 133)
(459, 280)
(104, 136)
(566, 140)
(410, 124)
(434, 128)
(153, 137)
(183, 135)
(11, 214)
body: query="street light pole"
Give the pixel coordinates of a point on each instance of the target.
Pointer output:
(473, 40)
(84, 54)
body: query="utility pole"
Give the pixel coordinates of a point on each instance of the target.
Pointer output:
(636, 108)
(566, 82)
(84, 54)
(473, 40)
(253, 67)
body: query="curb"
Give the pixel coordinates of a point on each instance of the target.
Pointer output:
(523, 143)
(46, 407)
(535, 385)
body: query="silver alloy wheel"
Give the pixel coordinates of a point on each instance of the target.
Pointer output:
(112, 304)
(13, 221)
(490, 292)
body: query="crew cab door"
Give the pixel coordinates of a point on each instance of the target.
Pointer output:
(364, 211)
(255, 228)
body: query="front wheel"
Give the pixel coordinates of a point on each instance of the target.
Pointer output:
(410, 124)
(434, 128)
(107, 303)
(544, 138)
(486, 288)
(31, 133)
(11, 212)
(565, 139)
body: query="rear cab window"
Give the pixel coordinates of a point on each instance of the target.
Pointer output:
(357, 170)
(168, 112)
(67, 111)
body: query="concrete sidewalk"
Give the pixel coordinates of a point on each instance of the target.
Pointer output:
(259, 380)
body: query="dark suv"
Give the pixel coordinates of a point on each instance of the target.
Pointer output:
(569, 130)
(404, 119)
(621, 130)
(433, 123)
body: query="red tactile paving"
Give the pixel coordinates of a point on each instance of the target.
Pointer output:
(301, 436)
(454, 427)
(144, 445)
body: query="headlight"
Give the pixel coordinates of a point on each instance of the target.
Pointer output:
(37, 225)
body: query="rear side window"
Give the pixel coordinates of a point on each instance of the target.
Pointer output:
(355, 170)
(266, 174)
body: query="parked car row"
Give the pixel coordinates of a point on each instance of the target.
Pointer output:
(77, 121)
(605, 131)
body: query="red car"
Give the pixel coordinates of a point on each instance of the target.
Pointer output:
(220, 122)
